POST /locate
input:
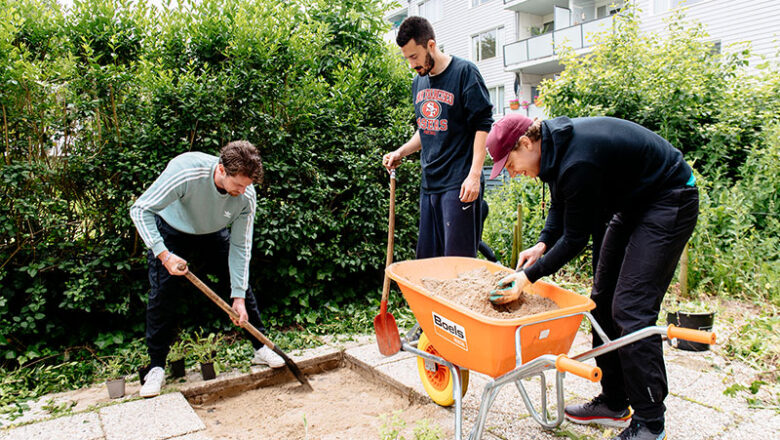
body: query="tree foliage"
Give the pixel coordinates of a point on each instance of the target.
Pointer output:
(723, 117)
(96, 100)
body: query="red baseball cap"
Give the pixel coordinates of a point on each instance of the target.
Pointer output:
(503, 137)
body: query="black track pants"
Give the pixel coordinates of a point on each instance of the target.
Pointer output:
(205, 254)
(638, 257)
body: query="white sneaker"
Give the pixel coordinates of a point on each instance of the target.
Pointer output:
(154, 380)
(266, 356)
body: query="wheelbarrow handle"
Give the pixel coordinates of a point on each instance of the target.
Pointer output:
(565, 364)
(689, 334)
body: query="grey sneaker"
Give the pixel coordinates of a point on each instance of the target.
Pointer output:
(153, 381)
(266, 356)
(639, 431)
(597, 412)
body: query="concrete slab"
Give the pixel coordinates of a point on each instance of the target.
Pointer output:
(369, 354)
(159, 418)
(84, 426)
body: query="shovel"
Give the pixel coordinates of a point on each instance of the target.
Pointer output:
(249, 327)
(387, 336)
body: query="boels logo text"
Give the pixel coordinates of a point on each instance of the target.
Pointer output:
(450, 331)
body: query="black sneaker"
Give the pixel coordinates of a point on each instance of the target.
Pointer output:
(597, 412)
(639, 431)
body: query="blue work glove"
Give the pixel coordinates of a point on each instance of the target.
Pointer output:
(509, 288)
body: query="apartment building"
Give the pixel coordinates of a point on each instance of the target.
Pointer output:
(513, 42)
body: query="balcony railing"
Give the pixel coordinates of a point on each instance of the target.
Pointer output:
(542, 46)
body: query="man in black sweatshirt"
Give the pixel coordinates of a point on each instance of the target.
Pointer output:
(454, 116)
(607, 171)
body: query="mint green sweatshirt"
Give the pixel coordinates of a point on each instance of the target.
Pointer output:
(186, 197)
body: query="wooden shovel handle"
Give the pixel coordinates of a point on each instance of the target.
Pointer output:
(390, 236)
(225, 307)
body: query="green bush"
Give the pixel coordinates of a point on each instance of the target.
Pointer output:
(96, 101)
(722, 116)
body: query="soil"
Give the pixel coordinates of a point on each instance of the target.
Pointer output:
(472, 290)
(343, 405)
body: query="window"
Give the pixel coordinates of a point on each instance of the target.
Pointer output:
(660, 6)
(534, 93)
(475, 3)
(486, 44)
(430, 10)
(497, 99)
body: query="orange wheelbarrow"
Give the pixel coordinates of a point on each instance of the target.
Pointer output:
(455, 340)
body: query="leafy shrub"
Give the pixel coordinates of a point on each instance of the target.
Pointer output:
(95, 102)
(723, 117)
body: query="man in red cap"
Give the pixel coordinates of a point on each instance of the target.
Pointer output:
(606, 170)
(454, 116)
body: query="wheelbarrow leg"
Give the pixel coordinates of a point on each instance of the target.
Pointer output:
(457, 394)
(489, 394)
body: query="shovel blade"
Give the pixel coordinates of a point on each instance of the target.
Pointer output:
(387, 336)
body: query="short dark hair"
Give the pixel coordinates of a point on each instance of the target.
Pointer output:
(242, 158)
(417, 28)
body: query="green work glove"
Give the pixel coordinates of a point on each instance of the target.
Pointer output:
(509, 288)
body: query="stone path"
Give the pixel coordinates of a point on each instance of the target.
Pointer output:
(697, 409)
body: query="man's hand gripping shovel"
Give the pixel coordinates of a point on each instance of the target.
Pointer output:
(246, 325)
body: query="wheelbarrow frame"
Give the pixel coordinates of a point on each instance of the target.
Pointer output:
(534, 367)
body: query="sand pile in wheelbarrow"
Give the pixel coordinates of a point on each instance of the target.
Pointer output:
(472, 288)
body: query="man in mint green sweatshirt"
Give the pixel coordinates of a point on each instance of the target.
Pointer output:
(201, 209)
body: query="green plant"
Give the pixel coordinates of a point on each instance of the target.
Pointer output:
(178, 350)
(95, 101)
(204, 348)
(391, 426)
(114, 367)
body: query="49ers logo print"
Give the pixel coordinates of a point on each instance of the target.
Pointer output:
(431, 109)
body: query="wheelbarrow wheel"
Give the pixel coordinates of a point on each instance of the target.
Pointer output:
(436, 379)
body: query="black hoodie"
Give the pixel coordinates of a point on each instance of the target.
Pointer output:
(597, 167)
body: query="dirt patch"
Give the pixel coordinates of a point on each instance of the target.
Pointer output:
(472, 290)
(343, 405)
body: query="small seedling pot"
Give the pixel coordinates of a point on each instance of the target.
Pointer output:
(207, 370)
(142, 371)
(177, 368)
(116, 387)
(696, 321)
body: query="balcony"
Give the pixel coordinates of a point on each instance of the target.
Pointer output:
(541, 48)
(535, 7)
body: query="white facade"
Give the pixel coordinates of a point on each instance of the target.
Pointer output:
(528, 30)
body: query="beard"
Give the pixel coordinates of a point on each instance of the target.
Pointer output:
(427, 66)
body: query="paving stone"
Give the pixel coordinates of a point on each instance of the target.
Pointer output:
(690, 421)
(369, 354)
(762, 424)
(84, 426)
(162, 417)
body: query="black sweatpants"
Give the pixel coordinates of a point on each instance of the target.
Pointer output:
(639, 254)
(449, 227)
(205, 254)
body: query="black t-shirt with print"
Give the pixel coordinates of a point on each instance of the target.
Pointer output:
(450, 108)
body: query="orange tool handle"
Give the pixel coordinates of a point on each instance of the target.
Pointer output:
(689, 334)
(578, 368)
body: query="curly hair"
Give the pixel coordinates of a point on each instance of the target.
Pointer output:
(534, 133)
(417, 28)
(242, 158)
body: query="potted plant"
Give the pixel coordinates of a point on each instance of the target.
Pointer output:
(143, 365)
(113, 370)
(690, 314)
(514, 104)
(204, 349)
(687, 312)
(176, 356)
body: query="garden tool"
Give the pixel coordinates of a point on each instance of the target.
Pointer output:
(387, 336)
(249, 327)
